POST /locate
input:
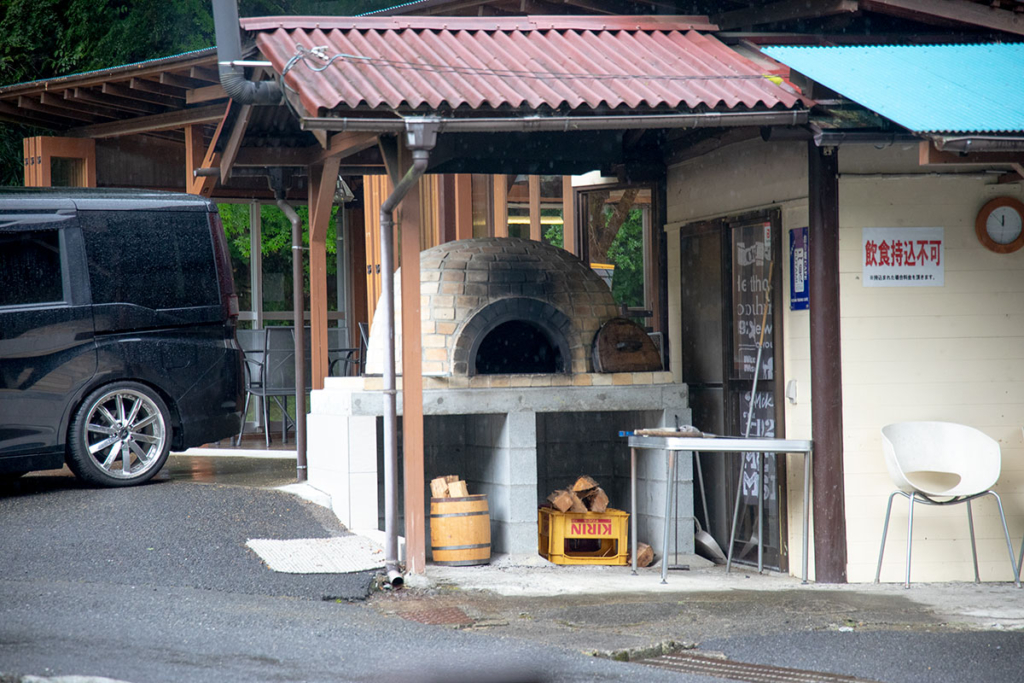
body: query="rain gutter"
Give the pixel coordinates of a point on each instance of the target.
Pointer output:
(564, 123)
(979, 143)
(421, 136)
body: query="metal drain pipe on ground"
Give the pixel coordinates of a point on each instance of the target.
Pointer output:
(298, 305)
(421, 135)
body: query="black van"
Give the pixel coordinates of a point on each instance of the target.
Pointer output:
(117, 331)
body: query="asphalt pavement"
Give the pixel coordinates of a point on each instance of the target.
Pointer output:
(154, 583)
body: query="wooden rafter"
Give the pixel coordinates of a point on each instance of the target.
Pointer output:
(234, 143)
(342, 145)
(111, 100)
(184, 82)
(147, 85)
(58, 102)
(944, 11)
(786, 10)
(140, 95)
(15, 115)
(76, 117)
(201, 73)
(205, 94)
(204, 185)
(171, 120)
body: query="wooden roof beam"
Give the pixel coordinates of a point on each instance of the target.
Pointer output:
(944, 11)
(179, 81)
(342, 145)
(140, 95)
(31, 118)
(201, 73)
(205, 94)
(57, 100)
(234, 143)
(129, 105)
(786, 10)
(76, 117)
(146, 85)
(171, 120)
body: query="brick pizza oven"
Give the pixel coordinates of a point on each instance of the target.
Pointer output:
(503, 306)
(511, 399)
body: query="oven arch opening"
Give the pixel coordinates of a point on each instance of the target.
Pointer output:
(514, 336)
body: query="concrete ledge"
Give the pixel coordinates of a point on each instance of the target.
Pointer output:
(498, 400)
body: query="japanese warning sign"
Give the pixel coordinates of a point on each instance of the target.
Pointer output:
(903, 257)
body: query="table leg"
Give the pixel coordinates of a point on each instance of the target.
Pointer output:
(807, 507)
(735, 517)
(668, 511)
(760, 513)
(632, 503)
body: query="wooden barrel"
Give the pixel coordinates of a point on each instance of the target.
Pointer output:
(460, 530)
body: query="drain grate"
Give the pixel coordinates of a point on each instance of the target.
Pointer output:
(739, 671)
(439, 616)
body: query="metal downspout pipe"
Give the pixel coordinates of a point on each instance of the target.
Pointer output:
(229, 50)
(299, 306)
(421, 135)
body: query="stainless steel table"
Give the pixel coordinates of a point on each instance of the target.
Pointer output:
(672, 444)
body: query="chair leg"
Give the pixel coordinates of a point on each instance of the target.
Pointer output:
(1009, 544)
(974, 546)
(885, 531)
(266, 420)
(910, 536)
(245, 413)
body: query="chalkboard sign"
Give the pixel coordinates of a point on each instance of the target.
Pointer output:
(762, 424)
(751, 275)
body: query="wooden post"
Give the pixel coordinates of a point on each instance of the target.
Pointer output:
(195, 150)
(536, 231)
(500, 206)
(412, 384)
(463, 206)
(323, 178)
(39, 153)
(569, 217)
(826, 365)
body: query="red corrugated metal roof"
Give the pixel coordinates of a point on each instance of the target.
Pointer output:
(522, 63)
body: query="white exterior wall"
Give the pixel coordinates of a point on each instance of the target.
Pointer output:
(953, 353)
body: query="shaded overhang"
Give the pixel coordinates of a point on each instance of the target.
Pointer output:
(939, 90)
(533, 73)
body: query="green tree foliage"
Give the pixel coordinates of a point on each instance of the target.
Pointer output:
(276, 242)
(627, 253)
(48, 38)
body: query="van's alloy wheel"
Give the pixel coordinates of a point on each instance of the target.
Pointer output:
(120, 435)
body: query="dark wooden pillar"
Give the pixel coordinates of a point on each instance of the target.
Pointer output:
(829, 505)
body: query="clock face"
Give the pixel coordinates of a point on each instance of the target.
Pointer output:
(1003, 225)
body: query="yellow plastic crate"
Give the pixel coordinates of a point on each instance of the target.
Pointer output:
(583, 537)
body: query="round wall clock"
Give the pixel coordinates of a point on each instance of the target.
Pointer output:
(1000, 225)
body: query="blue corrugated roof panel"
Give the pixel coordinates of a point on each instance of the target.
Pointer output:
(926, 88)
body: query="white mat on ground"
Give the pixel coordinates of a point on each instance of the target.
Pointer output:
(339, 555)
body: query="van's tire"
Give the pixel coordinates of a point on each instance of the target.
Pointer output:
(123, 419)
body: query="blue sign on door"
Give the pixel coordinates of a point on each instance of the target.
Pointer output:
(799, 293)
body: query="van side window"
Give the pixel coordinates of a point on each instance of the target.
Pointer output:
(30, 271)
(162, 259)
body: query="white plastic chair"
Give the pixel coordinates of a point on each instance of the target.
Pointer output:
(929, 460)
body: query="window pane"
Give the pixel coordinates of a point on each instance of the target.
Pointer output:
(235, 218)
(483, 210)
(160, 260)
(30, 268)
(615, 220)
(519, 207)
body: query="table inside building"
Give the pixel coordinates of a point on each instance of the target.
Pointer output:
(717, 444)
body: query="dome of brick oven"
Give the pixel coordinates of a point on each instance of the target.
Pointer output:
(470, 287)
